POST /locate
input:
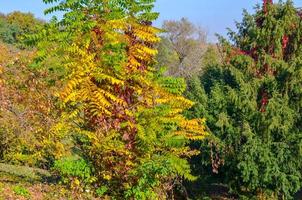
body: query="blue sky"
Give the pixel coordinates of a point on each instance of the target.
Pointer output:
(214, 15)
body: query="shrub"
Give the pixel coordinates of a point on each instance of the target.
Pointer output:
(20, 190)
(75, 171)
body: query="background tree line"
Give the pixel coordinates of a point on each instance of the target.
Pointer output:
(15, 25)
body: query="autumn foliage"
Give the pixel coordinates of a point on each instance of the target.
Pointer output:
(85, 99)
(124, 117)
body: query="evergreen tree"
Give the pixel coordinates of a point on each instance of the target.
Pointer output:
(125, 118)
(253, 103)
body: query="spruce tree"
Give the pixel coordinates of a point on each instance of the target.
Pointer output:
(253, 105)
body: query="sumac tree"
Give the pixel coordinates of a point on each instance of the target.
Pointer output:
(125, 118)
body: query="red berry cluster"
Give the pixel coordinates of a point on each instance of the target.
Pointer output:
(285, 40)
(264, 101)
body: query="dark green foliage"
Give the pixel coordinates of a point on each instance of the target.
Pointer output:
(16, 25)
(8, 32)
(253, 104)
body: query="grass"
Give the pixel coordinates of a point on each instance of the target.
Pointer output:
(33, 174)
(23, 183)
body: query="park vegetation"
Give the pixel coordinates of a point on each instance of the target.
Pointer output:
(100, 104)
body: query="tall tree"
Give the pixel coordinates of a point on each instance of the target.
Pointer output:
(182, 48)
(253, 105)
(125, 118)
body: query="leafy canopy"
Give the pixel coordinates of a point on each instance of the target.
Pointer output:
(124, 117)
